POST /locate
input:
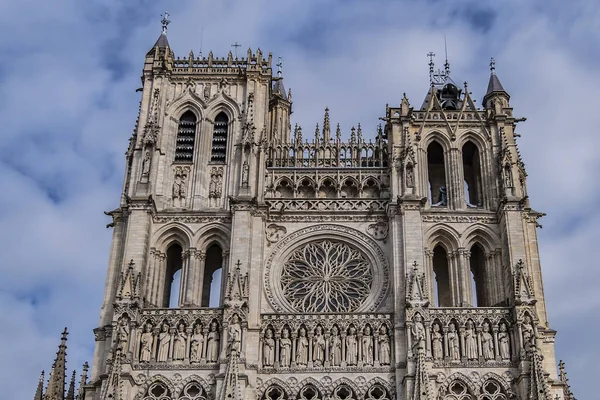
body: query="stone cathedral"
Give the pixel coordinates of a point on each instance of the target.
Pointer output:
(252, 260)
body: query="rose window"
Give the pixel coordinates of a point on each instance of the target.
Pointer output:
(326, 276)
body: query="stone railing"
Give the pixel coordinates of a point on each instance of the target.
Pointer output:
(484, 336)
(174, 338)
(343, 205)
(326, 342)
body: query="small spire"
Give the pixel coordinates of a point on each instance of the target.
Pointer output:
(326, 126)
(289, 95)
(338, 133)
(56, 383)
(359, 133)
(493, 66)
(71, 391)
(83, 380)
(446, 64)
(279, 67)
(39, 393)
(165, 22)
(353, 135)
(317, 134)
(431, 65)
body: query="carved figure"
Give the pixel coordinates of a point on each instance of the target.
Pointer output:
(453, 343)
(212, 343)
(302, 348)
(418, 332)
(410, 179)
(164, 340)
(179, 191)
(245, 174)
(384, 346)
(206, 91)
(123, 334)
(487, 342)
(146, 164)
(234, 335)
(196, 344)
(443, 197)
(318, 347)
(528, 332)
(146, 342)
(335, 348)
(367, 346)
(437, 339)
(504, 342)
(268, 349)
(351, 347)
(470, 342)
(179, 343)
(285, 348)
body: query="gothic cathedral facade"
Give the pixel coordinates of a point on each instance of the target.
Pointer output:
(251, 260)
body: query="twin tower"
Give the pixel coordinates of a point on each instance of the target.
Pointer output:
(253, 261)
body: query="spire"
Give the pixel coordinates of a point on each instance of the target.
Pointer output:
(338, 133)
(161, 42)
(317, 134)
(279, 67)
(71, 391)
(326, 127)
(494, 85)
(56, 384)
(83, 380)
(39, 393)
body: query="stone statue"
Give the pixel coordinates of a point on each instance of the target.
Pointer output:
(285, 348)
(268, 349)
(212, 343)
(206, 91)
(504, 342)
(146, 342)
(245, 173)
(146, 164)
(453, 343)
(487, 342)
(196, 344)
(164, 340)
(443, 197)
(418, 332)
(234, 335)
(410, 179)
(212, 186)
(367, 346)
(179, 191)
(528, 332)
(179, 343)
(335, 348)
(351, 347)
(183, 190)
(470, 342)
(318, 347)
(175, 191)
(123, 334)
(384, 346)
(437, 339)
(302, 348)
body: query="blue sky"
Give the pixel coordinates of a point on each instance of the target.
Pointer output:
(68, 74)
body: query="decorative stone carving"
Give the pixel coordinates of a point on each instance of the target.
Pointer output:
(206, 91)
(367, 346)
(416, 289)
(437, 339)
(285, 349)
(215, 187)
(504, 342)
(212, 343)
(318, 347)
(351, 347)
(164, 341)
(180, 187)
(245, 174)
(275, 232)
(379, 230)
(302, 348)
(453, 343)
(268, 349)
(335, 347)
(146, 343)
(343, 205)
(384, 346)
(418, 333)
(196, 344)
(146, 165)
(470, 341)
(528, 332)
(179, 343)
(234, 335)
(487, 343)
(524, 294)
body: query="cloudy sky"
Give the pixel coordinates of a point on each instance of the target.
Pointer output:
(68, 74)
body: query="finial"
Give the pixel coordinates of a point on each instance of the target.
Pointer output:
(71, 390)
(317, 133)
(431, 54)
(326, 126)
(338, 133)
(235, 47)
(279, 67)
(493, 66)
(359, 133)
(165, 22)
(446, 64)
(66, 333)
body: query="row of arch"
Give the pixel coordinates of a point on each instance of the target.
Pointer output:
(187, 131)
(328, 187)
(342, 389)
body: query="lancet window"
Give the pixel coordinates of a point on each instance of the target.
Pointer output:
(219, 140)
(441, 277)
(437, 175)
(472, 175)
(186, 136)
(478, 277)
(172, 288)
(212, 281)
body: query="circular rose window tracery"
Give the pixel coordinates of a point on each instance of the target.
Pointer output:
(326, 276)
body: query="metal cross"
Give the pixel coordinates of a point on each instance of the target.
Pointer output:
(165, 22)
(235, 46)
(492, 65)
(279, 66)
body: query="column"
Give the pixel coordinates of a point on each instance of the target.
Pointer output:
(446, 351)
(479, 348)
(154, 344)
(463, 354)
(429, 274)
(409, 339)
(199, 260)
(188, 336)
(277, 337)
(327, 363)
(159, 279)
(205, 331)
(310, 348)
(496, 348)
(428, 340)
(359, 349)
(171, 337)
(343, 336)
(293, 355)
(186, 280)
(376, 348)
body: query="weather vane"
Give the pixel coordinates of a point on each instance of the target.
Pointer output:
(165, 22)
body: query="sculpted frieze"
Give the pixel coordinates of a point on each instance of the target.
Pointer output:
(190, 219)
(459, 218)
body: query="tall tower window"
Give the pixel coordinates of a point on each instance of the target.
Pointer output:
(477, 261)
(219, 141)
(172, 286)
(213, 271)
(441, 276)
(186, 135)
(472, 174)
(438, 195)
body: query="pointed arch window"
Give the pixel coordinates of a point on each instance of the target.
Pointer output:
(186, 136)
(436, 170)
(478, 277)
(212, 280)
(441, 276)
(172, 286)
(472, 175)
(219, 141)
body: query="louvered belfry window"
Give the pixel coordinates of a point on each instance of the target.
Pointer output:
(219, 141)
(186, 135)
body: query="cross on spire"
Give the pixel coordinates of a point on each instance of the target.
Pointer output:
(165, 22)
(431, 54)
(493, 65)
(235, 47)
(279, 66)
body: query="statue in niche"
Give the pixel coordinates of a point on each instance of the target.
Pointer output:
(487, 342)
(410, 178)
(418, 332)
(196, 344)
(212, 343)
(318, 347)
(206, 91)
(123, 334)
(146, 342)
(285, 348)
(245, 173)
(470, 342)
(179, 192)
(146, 165)
(437, 339)
(453, 343)
(268, 349)
(179, 343)
(351, 347)
(335, 347)
(528, 332)
(367, 346)
(212, 186)
(164, 339)
(443, 198)
(234, 335)
(507, 176)
(302, 348)
(504, 342)
(384, 346)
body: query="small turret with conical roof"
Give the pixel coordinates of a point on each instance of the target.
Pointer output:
(495, 88)
(56, 384)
